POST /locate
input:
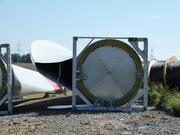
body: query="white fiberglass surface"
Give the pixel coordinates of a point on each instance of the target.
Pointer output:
(31, 81)
(111, 72)
(44, 51)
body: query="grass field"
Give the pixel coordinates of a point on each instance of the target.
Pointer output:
(26, 65)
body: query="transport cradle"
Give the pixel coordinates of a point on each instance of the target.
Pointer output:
(99, 103)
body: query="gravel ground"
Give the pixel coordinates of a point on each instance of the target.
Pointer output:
(35, 119)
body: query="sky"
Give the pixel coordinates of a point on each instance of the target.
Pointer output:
(23, 21)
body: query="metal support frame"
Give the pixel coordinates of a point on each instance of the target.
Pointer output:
(130, 105)
(8, 96)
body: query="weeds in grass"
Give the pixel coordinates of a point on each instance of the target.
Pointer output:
(165, 99)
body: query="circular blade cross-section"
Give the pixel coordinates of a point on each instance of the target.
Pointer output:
(110, 67)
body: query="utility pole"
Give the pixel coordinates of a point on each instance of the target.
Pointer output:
(18, 48)
(152, 53)
(18, 51)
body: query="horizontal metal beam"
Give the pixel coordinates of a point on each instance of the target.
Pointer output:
(138, 38)
(3, 113)
(122, 109)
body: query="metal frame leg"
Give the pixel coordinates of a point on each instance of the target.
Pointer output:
(9, 70)
(145, 84)
(74, 73)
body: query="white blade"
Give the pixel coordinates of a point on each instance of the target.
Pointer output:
(44, 51)
(32, 81)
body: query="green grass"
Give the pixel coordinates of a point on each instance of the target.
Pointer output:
(172, 104)
(41, 95)
(154, 95)
(165, 99)
(53, 94)
(34, 96)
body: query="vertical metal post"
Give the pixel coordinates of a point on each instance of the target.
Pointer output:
(74, 73)
(9, 70)
(145, 83)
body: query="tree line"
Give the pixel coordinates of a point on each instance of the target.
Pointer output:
(17, 58)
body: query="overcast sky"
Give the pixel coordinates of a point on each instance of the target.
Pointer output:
(58, 20)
